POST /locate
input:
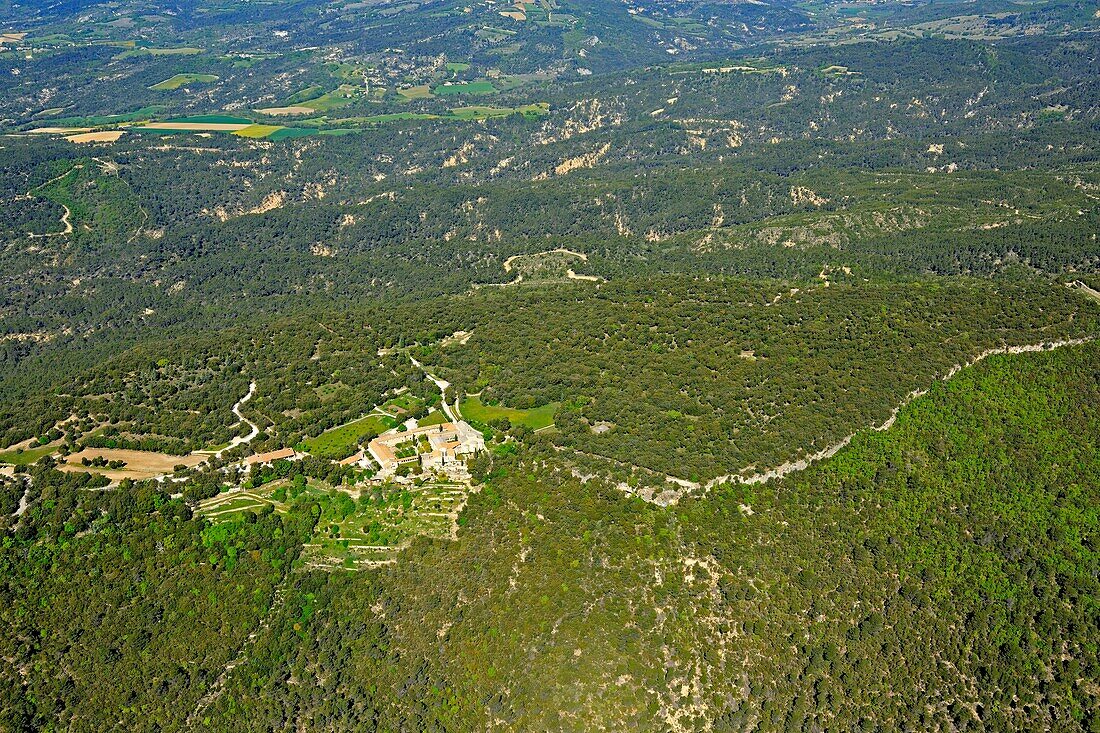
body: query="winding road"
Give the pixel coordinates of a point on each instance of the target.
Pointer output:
(450, 411)
(66, 218)
(23, 503)
(241, 440)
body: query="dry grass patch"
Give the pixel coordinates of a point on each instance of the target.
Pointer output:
(58, 130)
(139, 464)
(107, 136)
(295, 110)
(418, 92)
(196, 126)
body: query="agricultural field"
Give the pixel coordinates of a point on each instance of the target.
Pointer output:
(239, 126)
(391, 117)
(286, 133)
(197, 123)
(469, 87)
(420, 91)
(139, 51)
(292, 110)
(335, 99)
(105, 136)
(258, 131)
(478, 112)
(478, 413)
(90, 121)
(181, 80)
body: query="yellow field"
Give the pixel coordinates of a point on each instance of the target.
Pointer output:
(107, 136)
(286, 111)
(257, 131)
(58, 130)
(197, 126)
(139, 464)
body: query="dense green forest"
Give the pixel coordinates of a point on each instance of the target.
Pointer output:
(701, 378)
(937, 576)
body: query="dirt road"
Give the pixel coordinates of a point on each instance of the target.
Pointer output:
(239, 440)
(785, 469)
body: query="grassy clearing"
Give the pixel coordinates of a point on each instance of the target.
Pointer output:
(339, 97)
(343, 441)
(401, 405)
(535, 418)
(470, 87)
(432, 418)
(235, 506)
(26, 456)
(422, 91)
(182, 51)
(138, 464)
(457, 66)
(479, 112)
(180, 80)
(305, 95)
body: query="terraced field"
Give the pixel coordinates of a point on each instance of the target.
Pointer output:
(359, 527)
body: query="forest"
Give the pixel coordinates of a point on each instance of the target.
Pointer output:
(937, 576)
(749, 349)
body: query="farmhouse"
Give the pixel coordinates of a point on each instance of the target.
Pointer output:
(275, 455)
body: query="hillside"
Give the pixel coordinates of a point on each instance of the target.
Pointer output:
(684, 366)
